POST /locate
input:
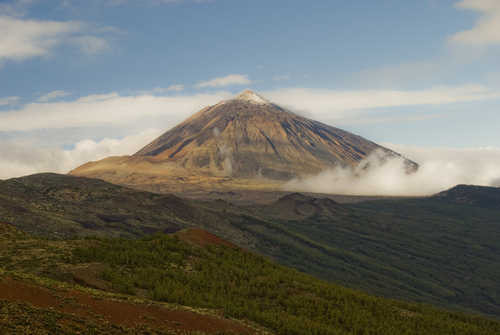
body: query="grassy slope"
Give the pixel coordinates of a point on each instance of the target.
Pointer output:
(420, 249)
(429, 250)
(217, 277)
(41, 292)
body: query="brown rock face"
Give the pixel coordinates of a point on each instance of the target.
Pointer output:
(246, 138)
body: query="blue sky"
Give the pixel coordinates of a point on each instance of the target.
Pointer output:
(100, 77)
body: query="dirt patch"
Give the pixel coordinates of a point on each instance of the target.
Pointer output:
(117, 312)
(88, 275)
(202, 238)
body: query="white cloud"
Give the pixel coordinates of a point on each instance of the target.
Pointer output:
(53, 95)
(232, 79)
(486, 31)
(323, 105)
(22, 158)
(440, 169)
(21, 39)
(338, 104)
(104, 109)
(8, 101)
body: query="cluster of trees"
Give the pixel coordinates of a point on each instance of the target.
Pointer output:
(245, 285)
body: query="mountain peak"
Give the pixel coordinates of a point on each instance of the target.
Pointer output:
(251, 96)
(247, 140)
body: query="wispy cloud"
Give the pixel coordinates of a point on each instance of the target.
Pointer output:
(105, 109)
(324, 105)
(53, 95)
(8, 101)
(486, 31)
(232, 79)
(338, 104)
(22, 39)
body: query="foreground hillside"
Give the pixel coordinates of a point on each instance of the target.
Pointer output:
(48, 285)
(439, 250)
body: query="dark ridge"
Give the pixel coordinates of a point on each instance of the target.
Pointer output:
(186, 142)
(482, 196)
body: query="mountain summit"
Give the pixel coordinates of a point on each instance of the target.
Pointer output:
(250, 96)
(246, 139)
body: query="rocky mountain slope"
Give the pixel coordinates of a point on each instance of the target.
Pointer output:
(246, 142)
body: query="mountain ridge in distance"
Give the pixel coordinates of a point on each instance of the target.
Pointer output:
(242, 143)
(481, 196)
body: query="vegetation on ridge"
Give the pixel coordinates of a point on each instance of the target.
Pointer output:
(237, 283)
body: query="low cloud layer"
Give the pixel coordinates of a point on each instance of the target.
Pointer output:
(440, 169)
(339, 103)
(103, 109)
(23, 158)
(323, 105)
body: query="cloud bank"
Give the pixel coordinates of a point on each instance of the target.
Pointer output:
(104, 109)
(440, 169)
(22, 158)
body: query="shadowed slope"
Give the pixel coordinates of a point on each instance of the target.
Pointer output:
(480, 196)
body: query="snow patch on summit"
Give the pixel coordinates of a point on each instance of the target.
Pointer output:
(250, 96)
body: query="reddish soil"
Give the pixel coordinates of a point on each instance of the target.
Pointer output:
(117, 312)
(202, 238)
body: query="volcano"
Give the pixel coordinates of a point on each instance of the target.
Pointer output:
(245, 143)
